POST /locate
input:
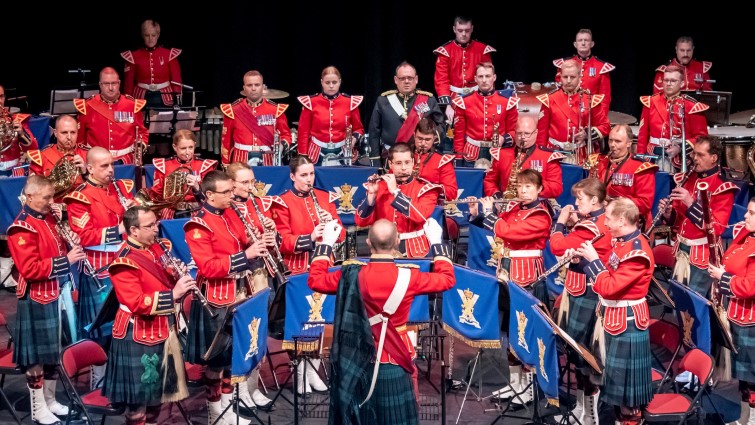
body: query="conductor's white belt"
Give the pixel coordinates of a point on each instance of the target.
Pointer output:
(251, 148)
(463, 90)
(478, 143)
(621, 303)
(327, 145)
(154, 87)
(523, 253)
(409, 235)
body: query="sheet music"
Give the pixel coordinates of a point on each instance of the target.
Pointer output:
(579, 348)
(160, 122)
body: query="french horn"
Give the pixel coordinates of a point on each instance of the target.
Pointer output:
(63, 175)
(175, 189)
(8, 133)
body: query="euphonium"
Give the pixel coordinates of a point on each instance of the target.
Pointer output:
(63, 175)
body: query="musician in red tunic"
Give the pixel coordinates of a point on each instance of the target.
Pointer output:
(252, 125)
(152, 72)
(184, 144)
(625, 175)
(401, 198)
(622, 284)
(300, 215)
(696, 74)
(223, 254)
(686, 213)
(528, 156)
(457, 62)
(325, 120)
(736, 278)
(594, 74)
(571, 116)
(662, 118)
(44, 267)
(485, 119)
(576, 313)
(43, 161)
(144, 334)
(378, 281)
(22, 142)
(430, 165)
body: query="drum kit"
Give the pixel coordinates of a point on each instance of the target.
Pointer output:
(738, 138)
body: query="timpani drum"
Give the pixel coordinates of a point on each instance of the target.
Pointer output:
(527, 93)
(739, 153)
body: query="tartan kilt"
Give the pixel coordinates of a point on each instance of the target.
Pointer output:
(627, 380)
(37, 333)
(580, 323)
(134, 372)
(744, 360)
(699, 279)
(394, 400)
(201, 331)
(539, 290)
(90, 303)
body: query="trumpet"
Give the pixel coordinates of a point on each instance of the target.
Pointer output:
(68, 236)
(180, 271)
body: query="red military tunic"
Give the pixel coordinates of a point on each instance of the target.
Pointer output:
(563, 114)
(696, 75)
(524, 230)
(41, 162)
(154, 69)
(39, 253)
(689, 221)
(12, 156)
(629, 178)
(251, 128)
(739, 277)
(376, 281)
(595, 76)
(537, 158)
(654, 122)
(456, 66)
(164, 167)
(409, 210)
(439, 169)
(113, 126)
(585, 230)
(217, 240)
(144, 290)
(247, 206)
(623, 282)
(480, 118)
(324, 120)
(295, 218)
(94, 213)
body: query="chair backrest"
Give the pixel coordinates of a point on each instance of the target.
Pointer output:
(82, 355)
(3, 322)
(664, 255)
(453, 228)
(699, 364)
(665, 334)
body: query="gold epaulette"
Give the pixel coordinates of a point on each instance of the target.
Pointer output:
(596, 99)
(128, 56)
(544, 99)
(426, 93)
(281, 108)
(645, 100)
(159, 164)
(174, 53)
(80, 105)
(306, 101)
(77, 196)
(353, 263)
(128, 184)
(123, 261)
(227, 109)
(388, 93)
(407, 265)
(644, 167)
(35, 156)
(139, 104)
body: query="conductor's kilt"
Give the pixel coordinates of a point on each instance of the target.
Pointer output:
(134, 371)
(37, 333)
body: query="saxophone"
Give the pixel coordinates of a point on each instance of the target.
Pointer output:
(496, 139)
(511, 191)
(348, 146)
(276, 148)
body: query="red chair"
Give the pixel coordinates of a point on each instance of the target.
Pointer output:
(80, 357)
(664, 256)
(452, 230)
(8, 367)
(666, 407)
(666, 336)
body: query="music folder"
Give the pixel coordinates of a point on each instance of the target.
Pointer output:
(576, 346)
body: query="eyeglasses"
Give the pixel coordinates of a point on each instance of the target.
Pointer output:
(225, 192)
(246, 182)
(154, 225)
(525, 135)
(113, 84)
(407, 79)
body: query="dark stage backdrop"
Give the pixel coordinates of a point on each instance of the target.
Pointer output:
(290, 44)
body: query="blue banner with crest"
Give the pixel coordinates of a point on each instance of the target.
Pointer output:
(249, 335)
(693, 316)
(470, 308)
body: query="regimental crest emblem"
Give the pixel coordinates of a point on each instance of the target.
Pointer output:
(315, 306)
(452, 210)
(541, 355)
(261, 188)
(254, 329)
(345, 197)
(496, 251)
(522, 320)
(468, 300)
(613, 261)
(687, 322)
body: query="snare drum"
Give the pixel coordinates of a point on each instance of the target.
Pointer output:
(737, 140)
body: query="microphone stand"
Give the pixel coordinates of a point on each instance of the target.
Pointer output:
(82, 82)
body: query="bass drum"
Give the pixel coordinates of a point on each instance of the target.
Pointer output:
(738, 147)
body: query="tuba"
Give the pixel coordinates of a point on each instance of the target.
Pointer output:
(8, 133)
(63, 175)
(175, 189)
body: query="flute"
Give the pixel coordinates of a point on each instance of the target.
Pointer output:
(564, 261)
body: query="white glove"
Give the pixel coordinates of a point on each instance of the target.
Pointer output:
(433, 231)
(331, 233)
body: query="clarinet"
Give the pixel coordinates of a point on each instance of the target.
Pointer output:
(67, 235)
(659, 214)
(267, 258)
(181, 271)
(564, 261)
(281, 264)
(121, 197)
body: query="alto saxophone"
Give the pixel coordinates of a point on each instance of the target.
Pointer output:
(349, 146)
(511, 191)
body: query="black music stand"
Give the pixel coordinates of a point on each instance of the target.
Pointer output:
(166, 121)
(61, 100)
(719, 105)
(223, 341)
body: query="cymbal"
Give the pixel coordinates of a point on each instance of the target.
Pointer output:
(270, 94)
(741, 117)
(615, 117)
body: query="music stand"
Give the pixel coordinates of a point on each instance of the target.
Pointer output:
(168, 120)
(61, 100)
(719, 105)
